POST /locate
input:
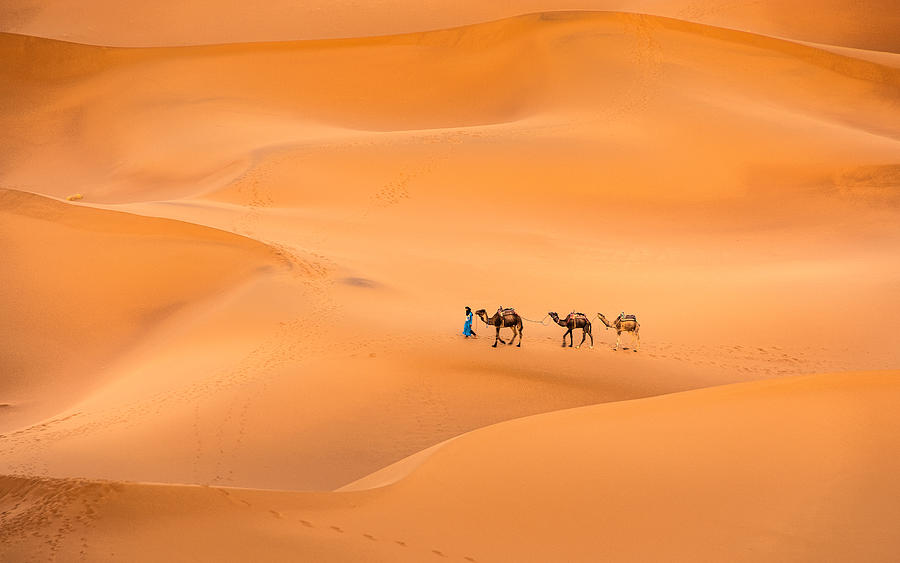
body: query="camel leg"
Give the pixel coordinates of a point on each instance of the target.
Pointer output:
(637, 335)
(583, 336)
(565, 334)
(618, 334)
(497, 338)
(589, 333)
(521, 330)
(513, 339)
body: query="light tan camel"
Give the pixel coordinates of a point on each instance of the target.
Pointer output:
(626, 324)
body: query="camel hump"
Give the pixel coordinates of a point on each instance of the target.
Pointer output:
(575, 315)
(507, 311)
(627, 318)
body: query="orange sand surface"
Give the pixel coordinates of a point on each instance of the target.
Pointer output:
(870, 24)
(235, 261)
(799, 467)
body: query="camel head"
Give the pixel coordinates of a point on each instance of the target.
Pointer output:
(481, 313)
(602, 318)
(556, 318)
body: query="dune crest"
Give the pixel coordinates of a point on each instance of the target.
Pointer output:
(871, 24)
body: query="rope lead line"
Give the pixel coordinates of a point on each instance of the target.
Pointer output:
(540, 322)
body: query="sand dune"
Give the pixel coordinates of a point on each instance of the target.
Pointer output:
(746, 206)
(80, 285)
(188, 121)
(570, 111)
(257, 298)
(797, 468)
(871, 24)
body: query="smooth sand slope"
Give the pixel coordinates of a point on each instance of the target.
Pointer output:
(868, 24)
(80, 285)
(799, 468)
(262, 287)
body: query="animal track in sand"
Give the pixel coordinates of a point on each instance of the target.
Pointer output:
(366, 535)
(706, 8)
(393, 192)
(198, 444)
(50, 510)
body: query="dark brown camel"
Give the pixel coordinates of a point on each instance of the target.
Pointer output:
(508, 319)
(572, 322)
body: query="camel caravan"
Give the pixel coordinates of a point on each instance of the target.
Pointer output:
(506, 317)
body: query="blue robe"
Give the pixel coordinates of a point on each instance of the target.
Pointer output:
(467, 328)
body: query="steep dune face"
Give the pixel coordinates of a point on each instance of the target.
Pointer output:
(797, 469)
(82, 285)
(871, 24)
